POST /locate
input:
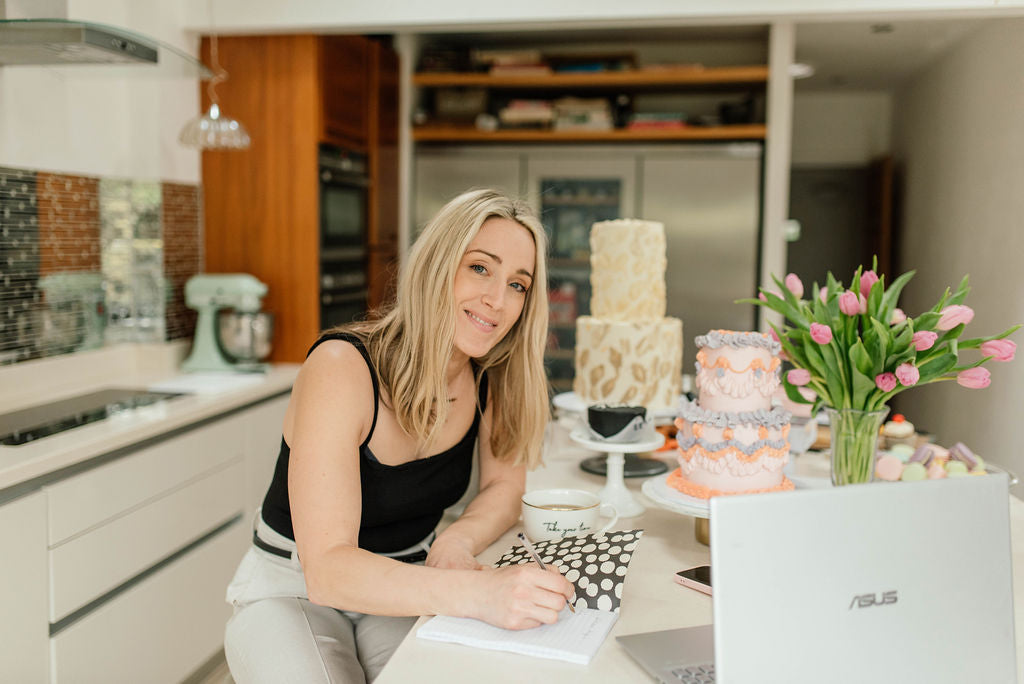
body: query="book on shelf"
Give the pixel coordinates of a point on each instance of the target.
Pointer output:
(526, 112)
(657, 120)
(506, 57)
(580, 114)
(520, 70)
(654, 125)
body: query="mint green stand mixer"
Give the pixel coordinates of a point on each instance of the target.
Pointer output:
(209, 294)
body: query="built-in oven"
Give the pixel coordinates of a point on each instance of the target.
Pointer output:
(343, 236)
(342, 293)
(343, 198)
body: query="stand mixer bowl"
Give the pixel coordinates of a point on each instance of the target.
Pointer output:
(245, 336)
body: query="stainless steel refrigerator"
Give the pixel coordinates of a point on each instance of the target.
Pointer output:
(707, 195)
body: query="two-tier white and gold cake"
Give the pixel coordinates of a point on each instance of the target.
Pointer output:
(628, 352)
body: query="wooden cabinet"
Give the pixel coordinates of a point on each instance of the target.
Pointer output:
(261, 205)
(384, 200)
(345, 67)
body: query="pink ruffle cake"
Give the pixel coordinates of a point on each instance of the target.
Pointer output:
(731, 441)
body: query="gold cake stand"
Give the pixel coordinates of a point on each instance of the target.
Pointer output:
(658, 491)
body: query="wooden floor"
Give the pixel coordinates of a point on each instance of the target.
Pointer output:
(218, 675)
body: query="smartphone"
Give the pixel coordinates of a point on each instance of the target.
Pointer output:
(698, 578)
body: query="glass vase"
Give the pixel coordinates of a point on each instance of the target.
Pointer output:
(854, 442)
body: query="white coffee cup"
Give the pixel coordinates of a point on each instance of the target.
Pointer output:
(559, 513)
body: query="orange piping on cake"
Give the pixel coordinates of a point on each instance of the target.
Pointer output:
(723, 362)
(678, 481)
(698, 450)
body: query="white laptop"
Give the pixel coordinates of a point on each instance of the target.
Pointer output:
(888, 582)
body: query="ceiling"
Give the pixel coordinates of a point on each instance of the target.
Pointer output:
(875, 55)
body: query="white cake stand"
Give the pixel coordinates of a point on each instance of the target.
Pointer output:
(615, 492)
(658, 491)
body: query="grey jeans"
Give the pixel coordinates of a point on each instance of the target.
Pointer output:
(277, 635)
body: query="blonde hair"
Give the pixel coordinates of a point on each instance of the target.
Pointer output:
(412, 343)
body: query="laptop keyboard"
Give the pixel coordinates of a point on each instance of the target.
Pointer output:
(695, 674)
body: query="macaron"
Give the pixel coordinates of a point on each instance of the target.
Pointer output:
(956, 469)
(902, 452)
(960, 452)
(889, 468)
(936, 471)
(923, 454)
(914, 472)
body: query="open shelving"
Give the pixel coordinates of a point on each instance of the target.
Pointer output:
(659, 79)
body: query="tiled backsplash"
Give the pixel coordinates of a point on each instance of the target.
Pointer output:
(86, 261)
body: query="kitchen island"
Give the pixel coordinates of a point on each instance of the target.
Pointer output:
(128, 529)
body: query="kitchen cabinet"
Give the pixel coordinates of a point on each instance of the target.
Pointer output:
(24, 629)
(261, 205)
(345, 73)
(121, 566)
(383, 162)
(262, 445)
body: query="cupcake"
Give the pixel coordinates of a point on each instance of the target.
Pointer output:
(899, 430)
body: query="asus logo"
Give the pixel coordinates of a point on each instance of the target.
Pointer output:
(869, 600)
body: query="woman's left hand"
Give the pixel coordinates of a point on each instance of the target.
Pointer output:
(453, 553)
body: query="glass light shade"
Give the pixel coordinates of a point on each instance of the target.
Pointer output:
(211, 131)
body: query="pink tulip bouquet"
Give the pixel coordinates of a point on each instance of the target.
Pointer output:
(856, 349)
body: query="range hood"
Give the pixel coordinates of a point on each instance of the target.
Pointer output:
(114, 51)
(55, 41)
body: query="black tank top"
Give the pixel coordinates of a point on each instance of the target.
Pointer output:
(402, 504)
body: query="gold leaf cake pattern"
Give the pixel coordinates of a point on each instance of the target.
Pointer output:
(628, 351)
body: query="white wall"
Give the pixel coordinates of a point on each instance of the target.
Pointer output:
(94, 120)
(832, 128)
(960, 131)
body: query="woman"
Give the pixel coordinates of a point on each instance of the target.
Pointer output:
(378, 440)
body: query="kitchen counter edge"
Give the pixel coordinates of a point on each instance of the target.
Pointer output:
(25, 468)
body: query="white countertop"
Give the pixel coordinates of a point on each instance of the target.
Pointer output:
(651, 600)
(126, 366)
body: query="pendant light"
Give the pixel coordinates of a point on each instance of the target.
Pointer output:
(213, 131)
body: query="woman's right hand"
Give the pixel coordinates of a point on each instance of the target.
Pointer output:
(520, 596)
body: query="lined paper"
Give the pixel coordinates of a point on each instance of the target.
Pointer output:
(574, 638)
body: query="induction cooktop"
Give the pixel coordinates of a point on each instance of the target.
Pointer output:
(27, 425)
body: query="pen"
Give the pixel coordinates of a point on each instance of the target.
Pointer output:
(536, 559)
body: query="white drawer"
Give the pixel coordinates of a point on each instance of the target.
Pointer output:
(86, 567)
(85, 500)
(159, 630)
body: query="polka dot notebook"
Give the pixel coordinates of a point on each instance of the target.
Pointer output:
(596, 564)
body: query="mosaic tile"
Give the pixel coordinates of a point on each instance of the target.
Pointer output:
(19, 266)
(181, 255)
(86, 261)
(132, 259)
